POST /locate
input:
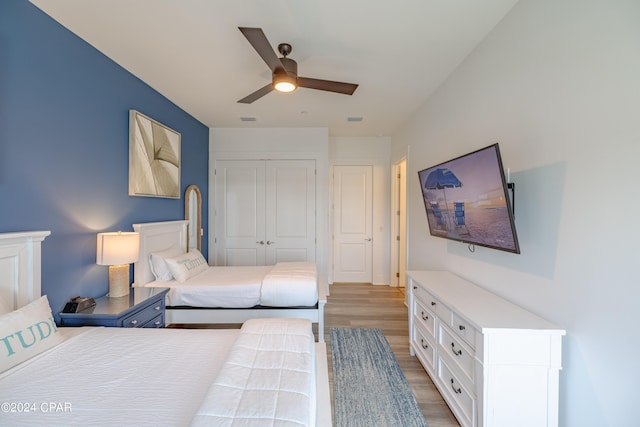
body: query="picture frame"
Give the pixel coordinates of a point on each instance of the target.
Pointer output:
(154, 158)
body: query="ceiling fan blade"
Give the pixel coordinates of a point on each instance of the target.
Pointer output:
(259, 41)
(257, 94)
(328, 85)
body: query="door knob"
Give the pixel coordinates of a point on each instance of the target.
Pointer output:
(369, 239)
(261, 242)
(269, 242)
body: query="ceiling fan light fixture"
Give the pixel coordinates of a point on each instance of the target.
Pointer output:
(284, 83)
(284, 77)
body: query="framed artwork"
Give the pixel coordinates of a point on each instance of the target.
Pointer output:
(154, 158)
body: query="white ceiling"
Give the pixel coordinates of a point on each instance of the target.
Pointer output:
(192, 52)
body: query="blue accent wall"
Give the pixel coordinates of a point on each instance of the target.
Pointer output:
(64, 141)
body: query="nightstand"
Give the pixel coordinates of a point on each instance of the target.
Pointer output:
(142, 308)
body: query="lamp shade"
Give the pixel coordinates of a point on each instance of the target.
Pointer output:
(117, 248)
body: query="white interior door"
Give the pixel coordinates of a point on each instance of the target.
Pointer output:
(239, 212)
(353, 215)
(290, 211)
(264, 211)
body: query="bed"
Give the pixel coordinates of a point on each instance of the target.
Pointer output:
(227, 294)
(271, 371)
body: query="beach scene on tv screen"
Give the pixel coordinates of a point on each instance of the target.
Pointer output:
(465, 200)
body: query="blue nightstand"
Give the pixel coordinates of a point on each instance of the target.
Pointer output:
(142, 308)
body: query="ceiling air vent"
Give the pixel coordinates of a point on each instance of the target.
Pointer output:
(354, 119)
(247, 119)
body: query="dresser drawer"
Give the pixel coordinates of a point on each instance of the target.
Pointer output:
(425, 298)
(461, 400)
(463, 329)
(424, 317)
(141, 318)
(156, 322)
(462, 356)
(444, 314)
(425, 348)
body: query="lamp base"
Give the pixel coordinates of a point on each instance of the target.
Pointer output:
(118, 280)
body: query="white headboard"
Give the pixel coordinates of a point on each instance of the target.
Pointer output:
(157, 237)
(20, 268)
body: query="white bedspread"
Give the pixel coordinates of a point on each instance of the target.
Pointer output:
(228, 287)
(268, 379)
(113, 376)
(290, 284)
(286, 284)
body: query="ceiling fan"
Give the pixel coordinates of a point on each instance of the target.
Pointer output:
(285, 70)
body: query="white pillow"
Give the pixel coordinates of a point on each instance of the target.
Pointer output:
(27, 332)
(187, 265)
(159, 266)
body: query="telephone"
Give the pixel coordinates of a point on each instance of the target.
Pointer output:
(78, 304)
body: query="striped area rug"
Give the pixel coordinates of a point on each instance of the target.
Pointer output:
(369, 388)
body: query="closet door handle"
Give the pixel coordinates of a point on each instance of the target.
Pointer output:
(368, 239)
(269, 242)
(261, 242)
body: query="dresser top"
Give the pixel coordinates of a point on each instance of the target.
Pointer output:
(485, 310)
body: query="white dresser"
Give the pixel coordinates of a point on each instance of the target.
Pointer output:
(494, 363)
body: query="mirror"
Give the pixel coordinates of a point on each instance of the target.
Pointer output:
(192, 213)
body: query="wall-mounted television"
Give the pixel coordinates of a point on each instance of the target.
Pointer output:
(466, 199)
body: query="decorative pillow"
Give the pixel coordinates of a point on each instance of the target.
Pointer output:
(27, 332)
(187, 265)
(159, 266)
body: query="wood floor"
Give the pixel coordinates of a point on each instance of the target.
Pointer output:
(368, 306)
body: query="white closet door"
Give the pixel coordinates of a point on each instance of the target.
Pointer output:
(353, 216)
(239, 212)
(290, 211)
(264, 211)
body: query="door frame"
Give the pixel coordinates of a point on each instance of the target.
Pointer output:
(381, 222)
(398, 223)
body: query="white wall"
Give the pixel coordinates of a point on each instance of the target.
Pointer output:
(557, 84)
(277, 143)
(374, 151)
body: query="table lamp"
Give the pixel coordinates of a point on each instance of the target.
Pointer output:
(118, 250)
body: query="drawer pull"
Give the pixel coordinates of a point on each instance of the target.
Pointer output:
(415, 287)
(456, 390)
(433, 303)
(134, 322)
(425, 346)
(461, 327)
(453, 348)
(157, 308)
(424, 317)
